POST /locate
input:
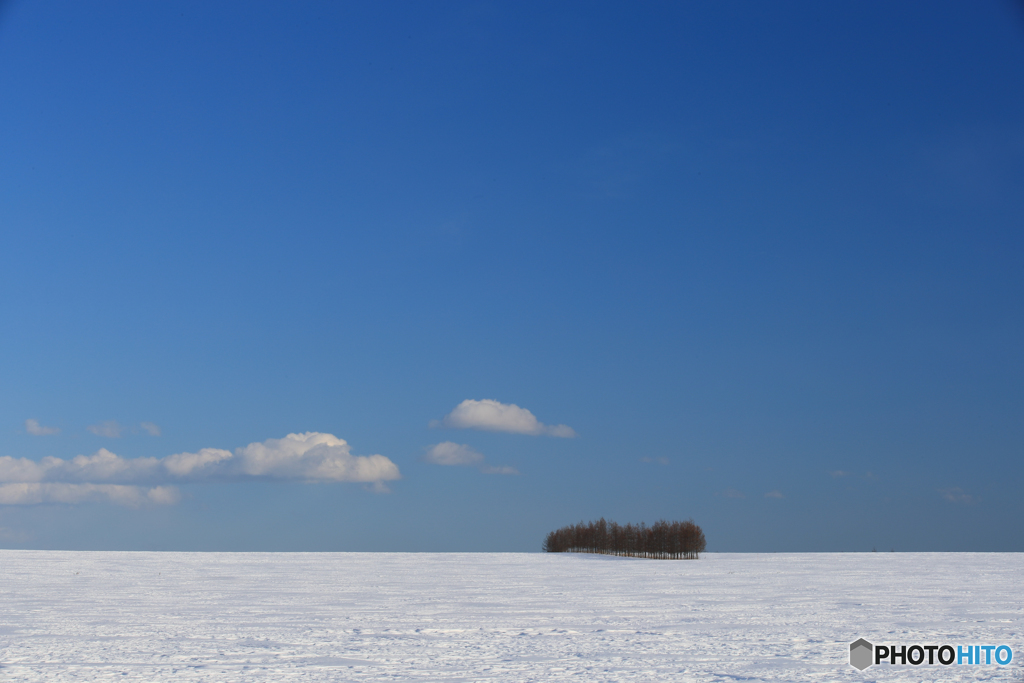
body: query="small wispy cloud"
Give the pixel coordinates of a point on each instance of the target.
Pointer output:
(660, 461)
(110, 429)
(839, 473)
(312, 457)
(35, 429)
(451, 453)
(956, 495)
(733, 493)
(774, 494)
(493, 416)
(504, 469)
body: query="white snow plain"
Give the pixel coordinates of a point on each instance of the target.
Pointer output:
(141, 616)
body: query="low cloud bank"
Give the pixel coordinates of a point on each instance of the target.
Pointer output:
(131, 496)
(311, 456)
(493, 416)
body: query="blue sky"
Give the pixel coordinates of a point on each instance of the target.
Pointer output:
(763, 262)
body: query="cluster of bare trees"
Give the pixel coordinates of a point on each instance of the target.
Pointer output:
(662, 540)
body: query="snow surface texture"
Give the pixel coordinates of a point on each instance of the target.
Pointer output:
(96, 616)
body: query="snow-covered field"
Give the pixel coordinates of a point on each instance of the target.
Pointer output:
(94, 616)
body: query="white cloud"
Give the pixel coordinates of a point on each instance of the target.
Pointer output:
(839, 473)
(660, 461)
(206, 460)
(101, 466)
(733, 493)
(35, 429)
(110, 429)
(449, 453)
(131, 496)
(774, 494)
(164, 495)
(311, 456)
(492, 416)
(150, 428)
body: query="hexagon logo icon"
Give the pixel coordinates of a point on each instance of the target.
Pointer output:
(861, 653)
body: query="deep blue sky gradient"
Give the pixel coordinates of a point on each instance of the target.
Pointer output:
(763, 242)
